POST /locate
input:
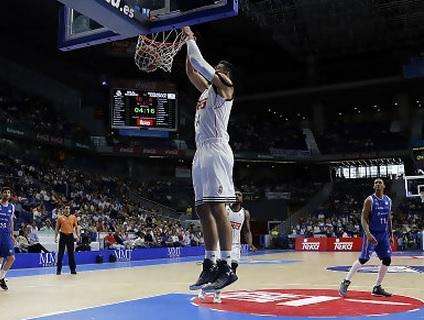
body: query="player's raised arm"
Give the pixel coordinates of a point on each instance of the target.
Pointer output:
(196, 79)
(217, 77)
(365, 220)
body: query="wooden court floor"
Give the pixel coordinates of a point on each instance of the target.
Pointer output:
(34, 296)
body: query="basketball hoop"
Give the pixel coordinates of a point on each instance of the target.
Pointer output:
(157, 50)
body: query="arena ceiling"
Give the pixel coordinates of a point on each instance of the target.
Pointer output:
(276, 44)
(334, 28)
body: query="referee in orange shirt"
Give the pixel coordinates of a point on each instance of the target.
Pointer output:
(66, 226)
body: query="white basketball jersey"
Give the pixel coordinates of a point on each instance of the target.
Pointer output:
(236, 220)
(212, 116)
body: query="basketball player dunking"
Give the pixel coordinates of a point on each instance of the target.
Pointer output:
(212, 164)
(377, 227)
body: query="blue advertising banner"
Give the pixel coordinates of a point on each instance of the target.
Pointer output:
(36, 260)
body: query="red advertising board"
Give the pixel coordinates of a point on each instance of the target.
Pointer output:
(330, 244)
(344, 244)
(311, 244)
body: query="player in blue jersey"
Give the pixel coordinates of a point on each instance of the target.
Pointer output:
(377, 236)
(7, 241)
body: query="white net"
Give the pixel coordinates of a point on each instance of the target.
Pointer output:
(157, 51)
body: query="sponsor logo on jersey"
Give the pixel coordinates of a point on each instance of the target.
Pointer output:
(316, 303)
(220, 189)
(201, 104)
(235, 225)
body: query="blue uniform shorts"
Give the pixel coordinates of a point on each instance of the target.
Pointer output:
(7, 248)
(382, 249)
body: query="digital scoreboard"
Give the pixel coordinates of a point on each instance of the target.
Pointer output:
(143, 109)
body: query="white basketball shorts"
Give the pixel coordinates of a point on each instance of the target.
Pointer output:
(212, 173)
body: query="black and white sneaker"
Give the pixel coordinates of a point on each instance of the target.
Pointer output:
(343, 288)
(378, 291)
(226, 276)
(3, 284)
(208, 275)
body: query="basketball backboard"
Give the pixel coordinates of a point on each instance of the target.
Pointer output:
(84, 23)
(413, 186)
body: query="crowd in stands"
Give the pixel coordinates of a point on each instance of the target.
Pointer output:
(408, 223)
(37, 115)
(343, 226)
(257, 133)
(263, 133)
(101, 203)
(348, 195)
(105, 203)
(296, 192)
(28, 240)
(340, 215)
(360, 137)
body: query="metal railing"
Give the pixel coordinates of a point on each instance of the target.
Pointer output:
(154, 206)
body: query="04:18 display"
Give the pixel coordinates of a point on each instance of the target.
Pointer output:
(145, 111)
